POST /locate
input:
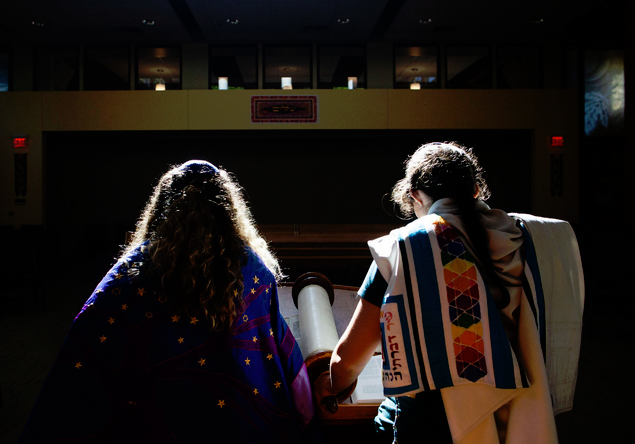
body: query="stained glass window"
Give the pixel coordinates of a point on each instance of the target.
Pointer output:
(603, 93)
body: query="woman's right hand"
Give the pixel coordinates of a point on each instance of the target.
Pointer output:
(327, 401)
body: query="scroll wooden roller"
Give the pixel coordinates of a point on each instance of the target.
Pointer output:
(313, 296)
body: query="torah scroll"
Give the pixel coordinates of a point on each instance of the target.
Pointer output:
(313, 296)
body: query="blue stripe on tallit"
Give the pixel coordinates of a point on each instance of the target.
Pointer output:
(412, 320)
(502, 359)
(532, 262)
(385, 365)
(431, 314)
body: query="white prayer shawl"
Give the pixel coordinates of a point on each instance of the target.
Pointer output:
(563, 285)
(423, 337)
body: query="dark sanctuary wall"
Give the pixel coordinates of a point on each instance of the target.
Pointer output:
(96, 183)
(317, 177)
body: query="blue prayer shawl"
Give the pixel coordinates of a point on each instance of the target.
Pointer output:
(133, 370)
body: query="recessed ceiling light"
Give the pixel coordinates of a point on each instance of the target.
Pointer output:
(425, 21)
(148, 22)
(232, 21)
(37, 23)
(539, 21)
(343, 21)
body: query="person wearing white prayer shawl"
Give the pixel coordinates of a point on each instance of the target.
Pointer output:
(478, 313)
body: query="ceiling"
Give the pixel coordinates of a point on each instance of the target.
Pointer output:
(109, 22)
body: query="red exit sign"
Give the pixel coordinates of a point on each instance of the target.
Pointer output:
(557, 141)
(20, 143)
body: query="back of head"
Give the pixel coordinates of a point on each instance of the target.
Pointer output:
(441, 170)
(198, 226)
(449, 170)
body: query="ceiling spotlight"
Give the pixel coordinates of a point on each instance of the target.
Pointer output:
(343, 21)
(232, 21)
(539, 21)
(148, 22)
(40, 24)
(425, 21)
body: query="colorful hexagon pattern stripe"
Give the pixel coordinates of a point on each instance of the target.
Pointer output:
(459, 272)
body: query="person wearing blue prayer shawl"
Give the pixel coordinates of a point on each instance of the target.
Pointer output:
(455, 301)
(182, 341)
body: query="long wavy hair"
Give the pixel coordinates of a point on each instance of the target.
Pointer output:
(197, 226)
(450, 170)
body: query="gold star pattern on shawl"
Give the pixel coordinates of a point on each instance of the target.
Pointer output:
(111, 321)
(149, 314)
(181, 340)
(255, 391)
(221, 403)
(141, 291)
(116, 291)
(255, 279)
(202, 362)
(245, 318)
(235, 292)
(162, 299)
(270, 356)
(271, 332)
(253, 291)
(277, 384)
(118, 276)
(176, 318)
(266, 290)
(247, 361)
(102, 338)
(78, 365)
(255, 339)
(124, 307)
(193, 320)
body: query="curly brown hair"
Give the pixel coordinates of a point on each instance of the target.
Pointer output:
(441, 170)
(198, 227)
(450, 170)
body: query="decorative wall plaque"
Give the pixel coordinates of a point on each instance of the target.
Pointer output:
(284, 109)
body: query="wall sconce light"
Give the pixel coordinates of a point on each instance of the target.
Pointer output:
(415, 86)
(352, 83)
(286, 83)
(159, 87)
(223, 83)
